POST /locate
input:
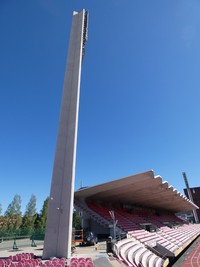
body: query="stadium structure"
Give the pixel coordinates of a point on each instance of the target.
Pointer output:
(139, 212)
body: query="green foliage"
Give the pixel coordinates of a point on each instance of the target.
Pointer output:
(32, 224)
(42, 218)
(0, 209)
(14, 222)
(37, 221)
(31, 207)
(30, 215)
(14, 208)
(13, 214)
(76, 221)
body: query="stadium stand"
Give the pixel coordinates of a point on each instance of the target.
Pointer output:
(144, 209)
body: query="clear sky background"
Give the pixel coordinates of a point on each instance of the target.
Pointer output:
(140, 92)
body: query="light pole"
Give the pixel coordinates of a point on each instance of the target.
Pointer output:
(112, 214)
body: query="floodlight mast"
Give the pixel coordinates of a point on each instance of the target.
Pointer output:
(190, 196)
(58, 232)
(112, 215)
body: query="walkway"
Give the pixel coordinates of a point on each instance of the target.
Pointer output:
(191, 257)
(193, 260)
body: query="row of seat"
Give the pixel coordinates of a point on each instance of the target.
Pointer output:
(29, 260)
(144, 216)
(55, 262)
(81, 262)
(132, 253)
(13, 261)
(181, 234)
(171, 239)
(151, 239)
(129, 222)
(21, 256)
(20, 259)
(90, 211)
(32, 263)
(124, 223)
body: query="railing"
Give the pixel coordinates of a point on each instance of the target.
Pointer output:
(20, 237)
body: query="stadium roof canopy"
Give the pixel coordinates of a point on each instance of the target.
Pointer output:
(143, 189)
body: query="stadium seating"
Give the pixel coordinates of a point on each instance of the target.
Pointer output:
(123, 223)
(134, 221)
(91, 212)
(29, 260)
(169, 236)
(21, 260)
(132, 252)
(81, 262)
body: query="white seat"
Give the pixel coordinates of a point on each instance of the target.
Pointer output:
(117, 247)
(124, 241)
(145, 256)
(124, 251)
(158, 262)
(152, 259)
(138, 255)
(132, 251)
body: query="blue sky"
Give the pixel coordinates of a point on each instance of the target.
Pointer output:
(139, 105)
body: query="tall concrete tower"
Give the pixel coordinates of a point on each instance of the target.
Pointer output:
(58, 232)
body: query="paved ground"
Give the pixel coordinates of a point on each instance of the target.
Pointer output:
(97, 253)
(190, 257)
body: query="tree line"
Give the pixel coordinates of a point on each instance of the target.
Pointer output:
(14, 220)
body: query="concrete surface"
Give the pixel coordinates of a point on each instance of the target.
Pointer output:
(97, 253)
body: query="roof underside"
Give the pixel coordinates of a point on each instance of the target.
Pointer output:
(142, 189)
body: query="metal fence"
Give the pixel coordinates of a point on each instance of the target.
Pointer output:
(20, 238)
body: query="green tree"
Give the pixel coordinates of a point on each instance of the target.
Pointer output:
(76, 221)
(13, 214)
(30, 214)
(0, 209)
(41, 221)
(37, 221)
(31, 207)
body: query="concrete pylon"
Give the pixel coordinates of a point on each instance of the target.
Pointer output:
(58, 231)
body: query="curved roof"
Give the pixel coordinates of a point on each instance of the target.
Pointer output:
(143, 189)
